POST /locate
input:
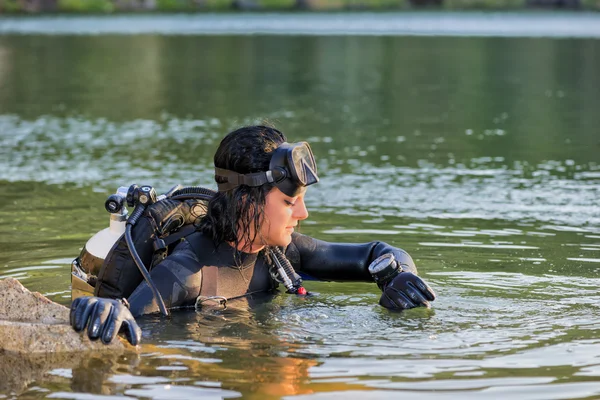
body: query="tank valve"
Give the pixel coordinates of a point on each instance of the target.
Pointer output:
(114, 204)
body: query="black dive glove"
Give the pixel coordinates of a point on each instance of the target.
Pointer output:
(401, 290)
(105, 318)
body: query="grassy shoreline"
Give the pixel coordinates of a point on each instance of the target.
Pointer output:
(129, 6)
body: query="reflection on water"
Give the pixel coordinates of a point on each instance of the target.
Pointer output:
(473, 340)
(479, 156)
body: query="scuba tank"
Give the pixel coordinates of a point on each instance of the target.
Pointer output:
(85, 268)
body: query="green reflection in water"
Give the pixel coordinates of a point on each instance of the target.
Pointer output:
(531, 99)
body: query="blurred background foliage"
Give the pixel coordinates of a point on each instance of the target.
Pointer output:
(109, 6)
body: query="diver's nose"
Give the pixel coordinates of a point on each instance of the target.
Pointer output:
(300, 211)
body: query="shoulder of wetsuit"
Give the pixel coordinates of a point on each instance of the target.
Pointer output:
(199, 243)
(178, 278)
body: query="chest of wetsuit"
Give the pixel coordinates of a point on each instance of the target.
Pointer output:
(196, 268)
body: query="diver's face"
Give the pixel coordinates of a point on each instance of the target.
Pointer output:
(281, 217)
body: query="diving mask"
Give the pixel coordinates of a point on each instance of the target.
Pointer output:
(291, 169)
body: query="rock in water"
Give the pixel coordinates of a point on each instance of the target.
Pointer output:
(30, 323)
(36, 337)
(18, 304)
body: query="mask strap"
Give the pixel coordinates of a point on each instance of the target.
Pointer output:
(235, 179)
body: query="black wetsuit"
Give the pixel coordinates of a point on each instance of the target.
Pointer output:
(179, 277)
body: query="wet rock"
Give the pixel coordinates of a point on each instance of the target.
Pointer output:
(20, 305)
(27, 337)
(36, 338)
(30, 323)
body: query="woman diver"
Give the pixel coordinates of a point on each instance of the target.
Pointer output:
(262, 181)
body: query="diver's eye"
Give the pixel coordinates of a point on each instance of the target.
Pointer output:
(289, 203)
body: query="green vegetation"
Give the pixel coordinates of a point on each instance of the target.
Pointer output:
(107, 6)
(276, 4)
(217, 4)
(10, 6)
(86, 5)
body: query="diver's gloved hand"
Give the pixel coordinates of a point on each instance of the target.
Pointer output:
(406, 290)
(401, 289)
(105, 318)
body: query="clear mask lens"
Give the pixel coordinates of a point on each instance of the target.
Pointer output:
(302, 164)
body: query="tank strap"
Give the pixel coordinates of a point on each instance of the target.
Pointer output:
(161, 244)
(164, 243)
(210, 281)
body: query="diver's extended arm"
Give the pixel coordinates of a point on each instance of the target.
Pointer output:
(340, 261)
(350, 262)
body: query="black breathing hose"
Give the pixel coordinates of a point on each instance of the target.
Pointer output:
(193, 192)
(176, 193)
(133, 218)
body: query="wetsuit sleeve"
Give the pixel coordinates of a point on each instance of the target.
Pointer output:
(178, 279)
(340, 261)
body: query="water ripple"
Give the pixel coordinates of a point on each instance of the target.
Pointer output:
(99, 153)
(180, 392)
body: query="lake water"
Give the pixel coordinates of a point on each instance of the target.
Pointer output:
(479, 155)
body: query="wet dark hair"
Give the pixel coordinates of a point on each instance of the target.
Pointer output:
(235, 216)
